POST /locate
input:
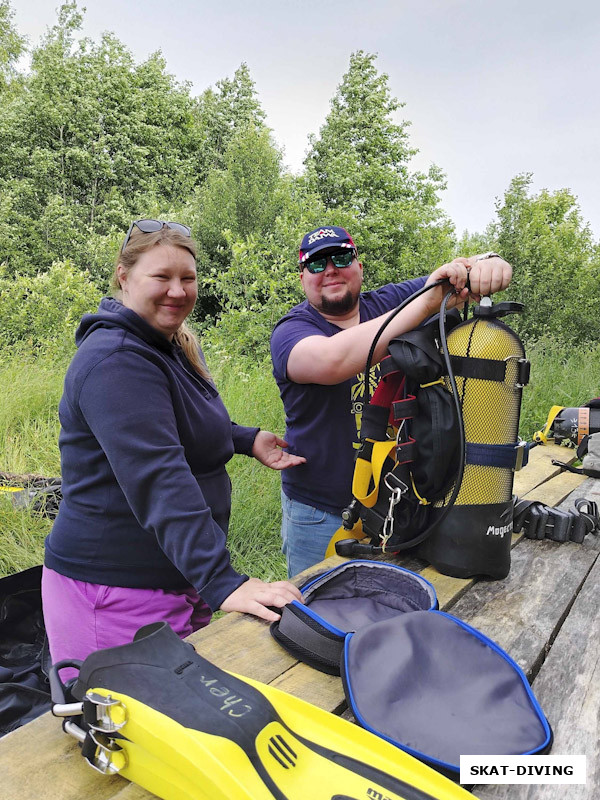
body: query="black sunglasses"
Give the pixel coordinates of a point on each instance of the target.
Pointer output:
(339, 260)
(153, 225)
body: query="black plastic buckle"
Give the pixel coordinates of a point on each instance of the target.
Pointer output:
(350, 548)
(558, 525)
(523, 370)
(588, 510)
(524, 373)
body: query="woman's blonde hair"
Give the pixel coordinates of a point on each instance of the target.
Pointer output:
(142, 242)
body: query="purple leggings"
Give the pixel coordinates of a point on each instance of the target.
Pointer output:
(82, 617)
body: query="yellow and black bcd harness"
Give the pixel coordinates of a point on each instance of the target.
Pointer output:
(450, 393)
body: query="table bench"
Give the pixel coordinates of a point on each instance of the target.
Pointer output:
(546, 614)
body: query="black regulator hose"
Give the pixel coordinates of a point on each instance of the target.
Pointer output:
(386, 322)
(450, 372)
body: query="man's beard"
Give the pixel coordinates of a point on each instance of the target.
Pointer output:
(337, 308)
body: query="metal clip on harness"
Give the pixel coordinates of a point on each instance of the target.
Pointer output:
(396, 493)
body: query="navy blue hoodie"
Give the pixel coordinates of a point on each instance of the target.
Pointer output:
(144, 442)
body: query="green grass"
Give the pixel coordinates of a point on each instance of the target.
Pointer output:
(31, 389)
(22, 535)
(560, 376)
(252, 398)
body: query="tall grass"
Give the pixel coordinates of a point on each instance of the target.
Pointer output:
(252, 398)
(22, 536)
(31, 389)
(560, 376)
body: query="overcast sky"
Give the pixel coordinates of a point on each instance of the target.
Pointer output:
(492, 88)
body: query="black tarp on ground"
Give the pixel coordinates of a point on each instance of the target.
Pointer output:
(24, 656)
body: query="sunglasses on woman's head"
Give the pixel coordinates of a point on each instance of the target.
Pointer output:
(153, 225)
(339, 260)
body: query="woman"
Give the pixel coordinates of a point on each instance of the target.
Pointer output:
(140, 534)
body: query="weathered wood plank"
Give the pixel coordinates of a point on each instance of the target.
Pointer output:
(40, 761)
(540, 467)
(133, 792)
(241, 643)
(568, 689)
(524, 611)
(315, 687)
(554, 490)
(448, 589)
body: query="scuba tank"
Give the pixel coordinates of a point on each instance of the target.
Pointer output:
(490, 370)
(444, 486)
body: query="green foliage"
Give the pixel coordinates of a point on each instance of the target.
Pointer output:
(238, 200)
(251, 397)
(93, 139)
(361, 155)
(261, 281)
(248, 220)
(560, 375)
(29, 426)
(221, 113)
(359, 166)
(12, 46)
(42, 312)
(556, 263)
(30, 388)
(471, 243)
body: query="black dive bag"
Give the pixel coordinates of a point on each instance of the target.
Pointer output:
(415, 676)
(24, 653)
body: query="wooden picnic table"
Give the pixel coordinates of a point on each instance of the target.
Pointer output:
(546, 614)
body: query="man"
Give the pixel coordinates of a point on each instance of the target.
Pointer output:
(319, 349)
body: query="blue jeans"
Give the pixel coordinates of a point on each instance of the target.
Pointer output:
(305, 532)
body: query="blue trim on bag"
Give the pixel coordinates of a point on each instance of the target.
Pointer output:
(424, 757)
(416, 753)
(371, 563)
(320, 620)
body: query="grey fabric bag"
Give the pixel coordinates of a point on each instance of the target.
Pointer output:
(438, 689)
(418, 677)
(345, 599)
(591, 460)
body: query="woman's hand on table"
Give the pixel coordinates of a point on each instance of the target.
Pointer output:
(255, 597)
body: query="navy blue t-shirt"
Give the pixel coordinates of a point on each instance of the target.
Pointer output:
(323, 422)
